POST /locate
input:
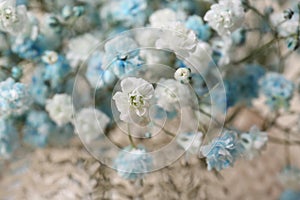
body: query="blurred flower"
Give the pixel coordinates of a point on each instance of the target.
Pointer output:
(290, 178)
(38, 89)
(162, 18)
(290, 195)
(183, 75)
(172, 95)
(90, 123)
(196, 24)
(38, 127)
(223, 151)
(253, 142)
(135, 99)
(239, 36)
(8, 137)
(277, 89)
(60, 109)
(14, 98)
(225, 16)
(122, 56)
(133, 163)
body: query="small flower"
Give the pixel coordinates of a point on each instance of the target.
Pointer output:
(172, 95)
(226, 16)
(223, 151)
(38, 127)
(277, 89)
(290, 195)
(14, 98)
(133, 163)
(288, 14)
(290, 178)
(222, 49)
(183, 75)
(38, 89)
(8, 137)
(196, 24)
(60, 109)
(253, 142)
(90, 123)
(162, 18)
(190, 142)
(135, 99)
(122, 56)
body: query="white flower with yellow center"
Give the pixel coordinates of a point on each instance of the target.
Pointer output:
(183, 75)
(135, 99)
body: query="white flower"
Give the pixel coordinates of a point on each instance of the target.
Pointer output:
(183, 75)
(223, 47)
(135, 99)
(60, 109)
(172, 95)
(162, 18)
(178, 39)
(79, 48)
(200, 59)
(90, 123)
(190, 142)
(226, 16)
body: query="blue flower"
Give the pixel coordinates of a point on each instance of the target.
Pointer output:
(223, 151)
(122, 56)
(56, 70)
(14, 98)
(8, 138)
(196, 24)
(37, 128)
(96, 75)
(133, 163)
(239, 37)
(290, 195)
(131, 12)
(277, 89)
(38, 89)
(26, 48)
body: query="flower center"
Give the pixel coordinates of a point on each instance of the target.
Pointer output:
(136, 100)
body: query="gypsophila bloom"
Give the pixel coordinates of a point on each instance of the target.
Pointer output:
(190, 142)
(225, 16)
(183, 75)
(223, 151)
(14, 98)
(162, 18)
(60, 109)
(277, 89)
(172, 95)
(285, 27)
(90, 123)
(96, 75)
(135, 99)
(8, 138)
(253, 142)
(37, 128)
(290, 177)
(222, 50)
(196, 24)
(122, 56)
(133, 163)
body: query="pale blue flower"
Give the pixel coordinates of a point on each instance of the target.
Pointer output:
(223, 151)
(196, 24)
(122, 56)
(8, 138)
(56, 71)
(14, 98)
(26, 48)
(133, 163)
(277, 89)
(37, 128)
(239, 36)
(96, 75)
(38, 89)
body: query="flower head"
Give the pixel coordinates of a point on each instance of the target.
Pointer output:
(60, 109)
(277, 89)
(223, 151)
(14, 98)
(225, 16)
(183, 75)
(133, 163)
(135, 99)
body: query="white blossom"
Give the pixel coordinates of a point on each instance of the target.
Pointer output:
(172, 95)
(162, 18)
(90, 123)
(225, 16)
(60, 109)
(285, 27)
(183, 75)
(135, 99)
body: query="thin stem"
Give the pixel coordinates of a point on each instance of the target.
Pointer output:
(130, 137)
(165, 131)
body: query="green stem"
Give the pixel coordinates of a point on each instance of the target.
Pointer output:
(130, 137)
(165, 131)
